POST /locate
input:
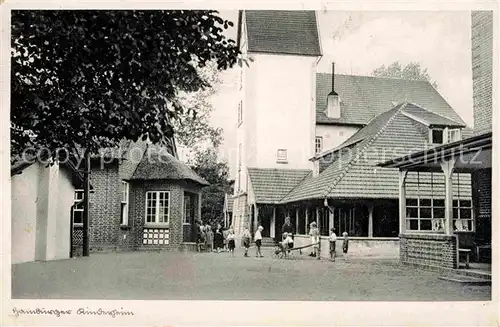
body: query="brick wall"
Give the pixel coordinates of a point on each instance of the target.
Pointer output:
(482, 69)
(481, 186)
(105, 207)
(433, 251)
(175, 227)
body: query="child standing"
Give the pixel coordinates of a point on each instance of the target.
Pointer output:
(218, 239)
(258, 240)
(333, 239)
(230, 242)
(246, 240)
(288, 241)
(210, 238)
(314, 234)
(345, 244)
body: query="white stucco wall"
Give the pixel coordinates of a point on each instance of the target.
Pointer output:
(24, 188)
(278, 112)
(334, 135)
(40, 213)
(65, 200)
(284, 88)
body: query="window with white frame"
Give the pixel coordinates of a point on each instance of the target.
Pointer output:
(454, 134)
(78, 208)
(423, 214)
(436, 136)
(157, 207)
(282, 156)
(463, 213)
(124, 203)
(426, 211)
(240, 113)
(463, 219)
(319, 144)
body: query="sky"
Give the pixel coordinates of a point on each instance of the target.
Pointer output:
(360, 41)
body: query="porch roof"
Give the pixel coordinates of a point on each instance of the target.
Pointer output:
(470, 154)
(271, 185)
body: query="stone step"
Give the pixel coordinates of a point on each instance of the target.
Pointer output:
(465, 280)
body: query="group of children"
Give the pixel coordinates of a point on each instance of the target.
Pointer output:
(333, 240)
(213, 241)
(220, 240)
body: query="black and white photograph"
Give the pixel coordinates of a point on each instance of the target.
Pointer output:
(326, 155)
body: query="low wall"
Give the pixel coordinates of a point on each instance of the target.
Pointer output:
(363, 247)
(429, 250)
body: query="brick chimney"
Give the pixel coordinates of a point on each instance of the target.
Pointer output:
(333, 100)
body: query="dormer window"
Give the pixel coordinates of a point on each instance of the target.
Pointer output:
(437, 136)
(454, 134)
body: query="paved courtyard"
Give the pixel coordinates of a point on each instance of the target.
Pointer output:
(211, 276)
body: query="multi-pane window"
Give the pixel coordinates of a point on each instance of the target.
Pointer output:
(454, 135)
(157, 207)
(319, 144)
(437, 136)
(240, 112)
(124, 203)
(282, 156)
(429, 215)
(425, 214)
(463, 219)
(187, 209)
(78, 208)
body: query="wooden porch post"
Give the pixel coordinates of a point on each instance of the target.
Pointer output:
(370, 219)
(256, 216)
(402, 201)
(273, 223)
(307, 220)
(297, 220)
(331, 219)
(318, 223)
(448, 167)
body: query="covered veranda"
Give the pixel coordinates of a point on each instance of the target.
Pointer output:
(446, 228)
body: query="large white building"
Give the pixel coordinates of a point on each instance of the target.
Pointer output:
(293, 124)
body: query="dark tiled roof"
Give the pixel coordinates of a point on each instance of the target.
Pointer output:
(364, 97)
(430, 118)
(283, 32)
(356, 175)
(159, 164)
(271, 185)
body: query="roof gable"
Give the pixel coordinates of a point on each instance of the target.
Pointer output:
(282, 32)
(365, 97)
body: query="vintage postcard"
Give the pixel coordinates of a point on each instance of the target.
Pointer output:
(249, 163)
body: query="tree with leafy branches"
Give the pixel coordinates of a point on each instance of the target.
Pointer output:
(207, 164)
(193, 126)
(86, 80)
(89, 79)
(411, 71)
